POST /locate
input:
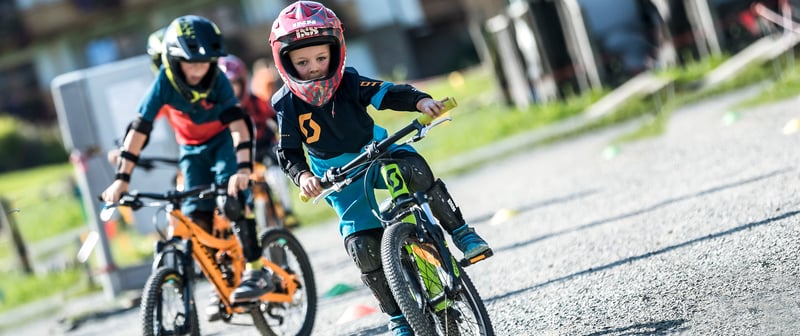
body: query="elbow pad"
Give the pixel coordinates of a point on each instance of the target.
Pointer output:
(232, 114)
(142, 126)
(293, 163)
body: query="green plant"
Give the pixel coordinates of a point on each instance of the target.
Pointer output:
(18, 288)
(29, 145)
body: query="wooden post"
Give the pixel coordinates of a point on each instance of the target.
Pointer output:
(16, 238)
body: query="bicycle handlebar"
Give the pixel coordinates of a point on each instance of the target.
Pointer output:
(337, 178)
(133, 199)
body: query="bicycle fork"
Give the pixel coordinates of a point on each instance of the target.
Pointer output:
(444, 285)
(176, 253)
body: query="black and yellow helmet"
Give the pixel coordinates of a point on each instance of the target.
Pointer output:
(155, 47)
(192, 38)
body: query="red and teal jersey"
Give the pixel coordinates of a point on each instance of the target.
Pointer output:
(193, 124)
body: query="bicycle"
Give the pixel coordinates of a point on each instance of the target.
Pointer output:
(431, 288)
(168, 305)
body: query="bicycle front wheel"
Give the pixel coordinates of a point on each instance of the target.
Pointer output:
(167, 307)
(296, 317)
(415, 273)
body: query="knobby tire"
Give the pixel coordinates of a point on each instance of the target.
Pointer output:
(152, 306)
(403, 277)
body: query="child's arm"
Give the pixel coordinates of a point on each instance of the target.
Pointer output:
(399, 97)
(241, 127)
(126, 161)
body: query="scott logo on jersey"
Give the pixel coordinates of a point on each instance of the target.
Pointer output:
(309, 127)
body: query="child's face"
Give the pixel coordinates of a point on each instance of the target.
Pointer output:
(194, 72)
(311, 62)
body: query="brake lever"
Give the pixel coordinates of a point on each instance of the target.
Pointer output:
(424, 130)
(337, 186)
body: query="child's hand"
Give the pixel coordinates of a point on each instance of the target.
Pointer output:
(309, 185)
(113, 193)
(238, 181)
(430, 107)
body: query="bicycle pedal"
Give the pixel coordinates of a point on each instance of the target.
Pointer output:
(247, 305)
(483, 256)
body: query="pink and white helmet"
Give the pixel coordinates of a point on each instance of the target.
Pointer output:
(303, 24)
(236, 71)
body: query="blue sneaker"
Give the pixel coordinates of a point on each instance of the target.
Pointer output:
(398, 325)
(469, 242)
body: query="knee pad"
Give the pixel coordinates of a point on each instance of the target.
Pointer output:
(365, 249)
(232, 208)
(444, 207)
(415, 170)
(204, 219)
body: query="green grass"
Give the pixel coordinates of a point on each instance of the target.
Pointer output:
(685, 93)
(46, 201)
(17, 288)
(786, 86)
(47, 207)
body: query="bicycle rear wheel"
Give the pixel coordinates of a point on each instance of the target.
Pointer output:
(167, 307)
(415, 275)
(296, 317)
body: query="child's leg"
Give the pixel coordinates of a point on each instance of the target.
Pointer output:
(196, 171)
(365, 249)
(256, 280)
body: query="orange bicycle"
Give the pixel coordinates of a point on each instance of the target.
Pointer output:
(168, 305)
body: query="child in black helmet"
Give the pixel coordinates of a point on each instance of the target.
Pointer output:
(214, 134)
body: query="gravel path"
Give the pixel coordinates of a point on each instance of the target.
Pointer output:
(690, 233)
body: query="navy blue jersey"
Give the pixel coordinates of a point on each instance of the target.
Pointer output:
(340, 126)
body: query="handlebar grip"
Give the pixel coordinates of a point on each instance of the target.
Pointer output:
(304, 198)
(449, 104)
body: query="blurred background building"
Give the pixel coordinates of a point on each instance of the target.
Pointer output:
(550, 49)
(44, 38)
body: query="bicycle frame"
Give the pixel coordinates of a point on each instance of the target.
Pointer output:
(263, 201)
(208, 264)
(426, 280)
